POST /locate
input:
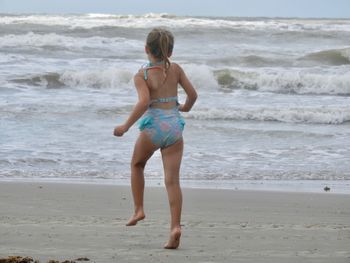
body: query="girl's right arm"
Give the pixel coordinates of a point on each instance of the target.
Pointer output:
(190, 92)
(140, 107)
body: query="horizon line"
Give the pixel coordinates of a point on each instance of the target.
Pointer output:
(175, 15)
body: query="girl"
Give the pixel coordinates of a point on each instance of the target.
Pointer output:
(161, 126)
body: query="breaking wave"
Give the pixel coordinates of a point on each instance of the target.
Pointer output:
(108, 78)
(319, 115)
(330, 57)
(294, 82)
(152, 20)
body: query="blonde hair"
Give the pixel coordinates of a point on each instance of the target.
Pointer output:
(160, 43)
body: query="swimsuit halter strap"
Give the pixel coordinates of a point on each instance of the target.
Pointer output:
(156, 65)
(151, 65)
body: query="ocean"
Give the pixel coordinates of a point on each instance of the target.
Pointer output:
(273, 108)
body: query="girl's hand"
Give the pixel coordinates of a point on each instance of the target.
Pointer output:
(120, 130)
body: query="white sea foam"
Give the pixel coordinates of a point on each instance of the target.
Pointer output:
(152, 20)
(33, 40)
(305, 83)
(202, 76)
(206, 79)
(299, 81)
(321, 115)
(113, 77)
(108, 78)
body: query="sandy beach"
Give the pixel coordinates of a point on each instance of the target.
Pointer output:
(66, 221)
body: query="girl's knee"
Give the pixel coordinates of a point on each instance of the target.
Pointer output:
(171, 181)
(138, 164)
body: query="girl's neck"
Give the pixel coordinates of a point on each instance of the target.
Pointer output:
(156, 62)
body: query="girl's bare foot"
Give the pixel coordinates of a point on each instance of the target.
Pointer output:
(135, 218)
(174, 239)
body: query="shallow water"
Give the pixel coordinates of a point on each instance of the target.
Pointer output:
(274, 97)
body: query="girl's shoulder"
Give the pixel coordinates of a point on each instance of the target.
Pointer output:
(141, 72)
(180, 73)
(177, 68)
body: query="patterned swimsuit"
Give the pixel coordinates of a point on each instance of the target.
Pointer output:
(163, 126)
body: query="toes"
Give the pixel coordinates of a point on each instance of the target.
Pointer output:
(133, 221)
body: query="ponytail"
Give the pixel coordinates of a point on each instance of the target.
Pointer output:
(164, 48)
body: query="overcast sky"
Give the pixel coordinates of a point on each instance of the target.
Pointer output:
(271, 8)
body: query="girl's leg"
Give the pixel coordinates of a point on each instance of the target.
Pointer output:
(143, 150)
(172, 156)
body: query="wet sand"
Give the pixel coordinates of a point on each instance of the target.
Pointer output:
(67, 221)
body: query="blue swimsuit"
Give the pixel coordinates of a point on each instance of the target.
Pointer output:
(163, 126)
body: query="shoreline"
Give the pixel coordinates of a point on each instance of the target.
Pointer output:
(283, 186)
(65, 221)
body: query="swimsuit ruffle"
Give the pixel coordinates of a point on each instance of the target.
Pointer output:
(147, 120)
(182, 123)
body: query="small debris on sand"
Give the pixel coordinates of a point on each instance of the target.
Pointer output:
(327, 189)
(19, 259)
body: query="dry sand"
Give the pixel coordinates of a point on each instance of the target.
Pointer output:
(67, 221)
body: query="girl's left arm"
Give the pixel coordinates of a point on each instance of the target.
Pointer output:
(140, 107)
